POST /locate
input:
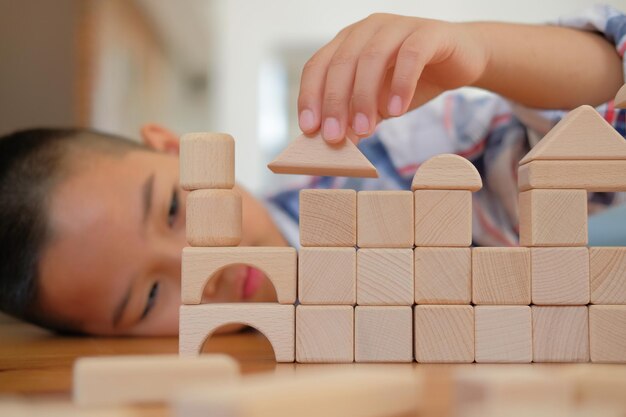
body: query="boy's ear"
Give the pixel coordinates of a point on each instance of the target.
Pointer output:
(160, 138)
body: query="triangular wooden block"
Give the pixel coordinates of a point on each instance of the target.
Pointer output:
(581, 135)
(447, 172)
(312, 155)
(620, 98)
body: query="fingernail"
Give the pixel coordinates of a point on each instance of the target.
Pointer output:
(307, 120)
(331, 129)
(395, 106)
(361, 124)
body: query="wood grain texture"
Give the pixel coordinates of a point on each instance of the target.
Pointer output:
(503, 334)
(207, 160)
(553, 218)
(447, 172)
(608, 275)
(314, 156)
(327, 276)
(200, 265)
(620, 98)
(385, 219)
(275, 321)
(597, 176)
(328, 217)
(443, 275)
(444, 334)
(384, 277)
(560, 276)
(607, 333)
(443, 218)
(383, 334)
(501, 276)
(324, 334)
(213, 218)
(560, 334)
(138, 379)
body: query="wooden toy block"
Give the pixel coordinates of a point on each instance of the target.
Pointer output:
(443, 218)
(560, 334)
(123, 380)
(503, 334)
(443, 275)
(501, 276)
(274, 321)
(553, 218)
(447, 172)
(444, 334)
(328, 218)
(607, 333)
(385, 219)
(312, 155)
(597, 176)
(383, 334)
(207, 160)
(384, 277)
(324, 334)
(620, 98)
(608, 275)
(213, 218)
(327, 276)
(200, 265)
(560, 276)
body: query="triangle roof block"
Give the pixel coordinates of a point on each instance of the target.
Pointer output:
(582, 134)
(620, 98)
(447, 172)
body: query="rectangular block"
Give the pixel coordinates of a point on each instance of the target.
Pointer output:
(553, 218)
(327, 276)
(560, 276)
(328, 218)
(385, 219)
(503, 334)
(560, 334)
(383, 334)
(443, 218)
(597, 176)
(501, 276)
(608, 275)
(324, 334)
(213, 218)
(443, 275)
(207, 160)
(384, 277)
(444, 334)
(607, 333)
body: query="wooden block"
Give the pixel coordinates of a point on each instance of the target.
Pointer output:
(385, 219)
(443, 218)
(274, 321)
(328, 218)
(327, 276)
(620, 98)
(501, 276)
(324, 334)
(314, 156)
(383, 334)
(553, 218)
(560, 276)
(443, 275)
(447, 172)
(560, 334)
(122, 380)
(444, 334)
(597, 176)
(608, 275)
(607, 333)
(207, 160)
(384, 277)
(213, 218)
(503, 334)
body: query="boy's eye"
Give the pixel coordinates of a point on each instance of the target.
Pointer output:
(151, 298)
(173, 210)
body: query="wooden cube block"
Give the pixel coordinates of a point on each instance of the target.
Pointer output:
(444, 334)
(213, 218)
(443, 275)
(324, 334)
(560, 334)
(207, 160)
(560, 276)
(385, 219)
(501, 276)
(503, 334)
(443, 218)
(608, 275)
(328, 218)
(384, 277)
(607, 333)
(553, 218)
(327, 276)
(383, 334)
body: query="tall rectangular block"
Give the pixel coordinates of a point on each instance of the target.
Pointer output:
(384, 277)
(385, 219)
(443, 275)
(328, 218)
(443, 218)
(383, 334)
(327, 276)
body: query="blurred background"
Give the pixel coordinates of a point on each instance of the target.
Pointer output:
(192, 65)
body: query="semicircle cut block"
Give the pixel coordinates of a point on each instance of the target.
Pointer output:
(447, 172)
(312, 155)
(620, 98)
